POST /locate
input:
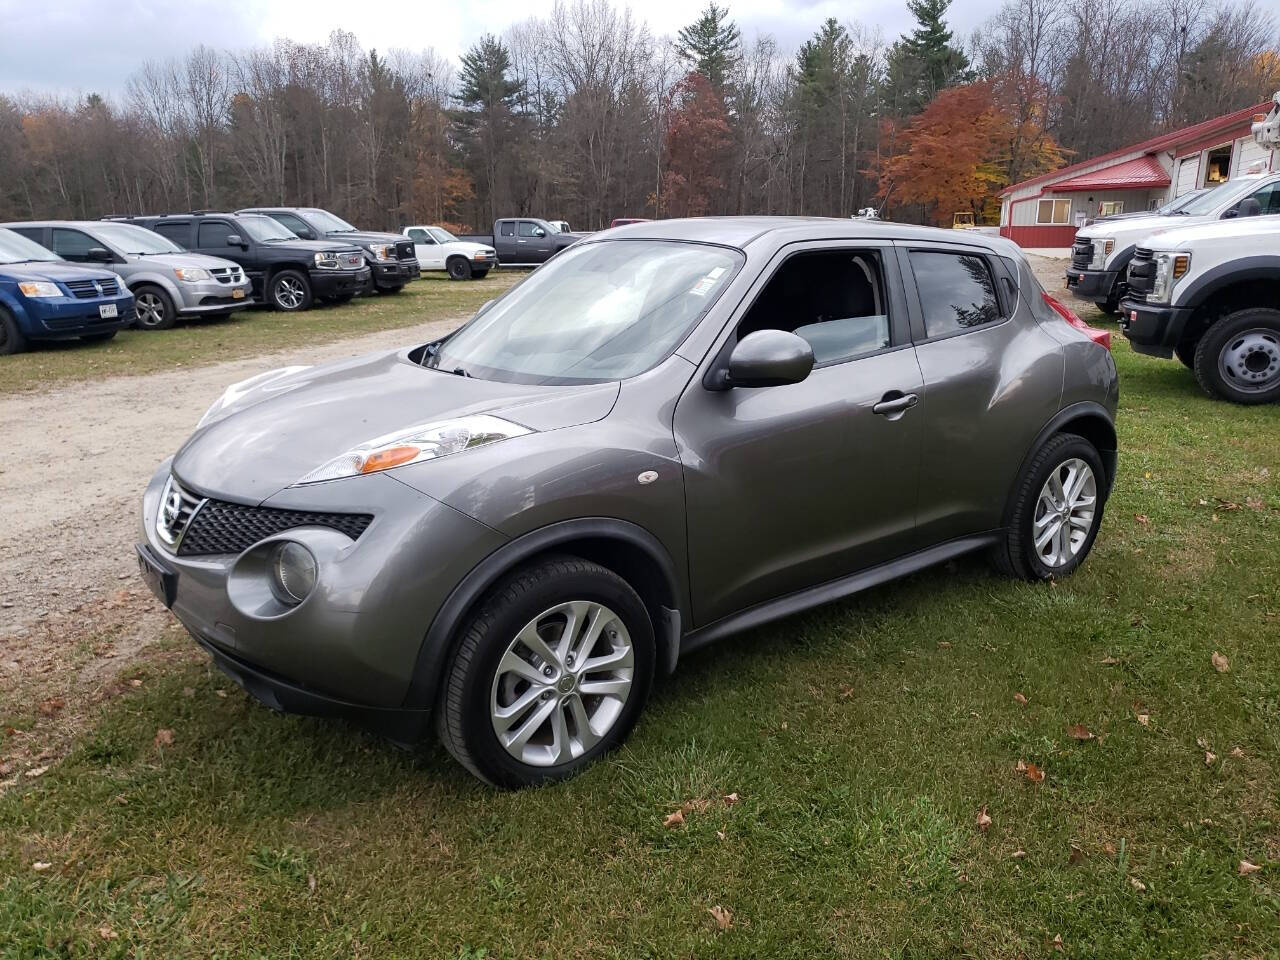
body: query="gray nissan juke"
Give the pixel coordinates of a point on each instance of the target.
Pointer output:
(672, 432)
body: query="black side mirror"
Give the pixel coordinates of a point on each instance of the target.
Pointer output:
(235, 240)
(306, 234)
(99, 255)
(768, 358)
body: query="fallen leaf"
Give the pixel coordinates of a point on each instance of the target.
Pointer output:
(1020, 700)
(40, 866)
(135, 682)
(106, 933)
(1034, 773)
(722, 916)
(1137, 884)
(1142, 518)
(1247, 868)
(311, 882)
(221, 693)
(51, 706)
(1057, 944)
(1020, 766)
(1076, 856)
(37, 772)
(1108, 661)
(983, 821)
(1227, 504)
(1109, 848)
(1210, 758)
(1019, 854)
(730, 799)
(1253, 503)
(1236, 752)
(720, 835)
(944, 645)
(7, 768)
(1078, 731)
(1144, 719)
(673, 820)
(1220, 663)
(164, 738)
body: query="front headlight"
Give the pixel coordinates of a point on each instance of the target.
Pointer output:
(191, 274)
(237, 391)
(383, 251)
(39, 288)
(427, 441)
(327, 260)
(1170, 268)
(1101, 250)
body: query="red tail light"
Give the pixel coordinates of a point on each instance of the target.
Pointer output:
(1098, 336)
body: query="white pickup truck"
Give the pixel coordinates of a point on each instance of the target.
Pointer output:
(438, 249)
(1210, 295)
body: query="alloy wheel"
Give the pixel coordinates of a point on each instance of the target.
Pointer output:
(149, 310)
(562, 683)
(1065, 512)
(289, 293)
(1250, 362)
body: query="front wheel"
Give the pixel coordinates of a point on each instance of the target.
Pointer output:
(12, 340)
(1056, 511)
(459, 269)
(550, 675)
(289, 291)
(153, 309)
(1238, 358)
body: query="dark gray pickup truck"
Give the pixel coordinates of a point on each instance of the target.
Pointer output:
(524, 241)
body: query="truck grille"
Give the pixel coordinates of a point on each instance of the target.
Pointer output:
(405, 251)
(1142, 273)
(92, 289)
(351, 261)
(1081, 254)
(220, 527)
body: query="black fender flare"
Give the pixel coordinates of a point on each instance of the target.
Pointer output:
(439, 640)
(1083, 408)
(1227, 274)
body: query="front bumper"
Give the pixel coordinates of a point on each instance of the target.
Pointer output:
(1153, 329)
(210, 296)
(394, 274)
(352, 645)
(57, 318)
(1094, 285)
(337, 283)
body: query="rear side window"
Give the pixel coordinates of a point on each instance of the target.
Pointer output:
(31, 233)
(179, 233)
(214, 233)
(295, 224)
(956, 292)
(508, 228)
(72, 244)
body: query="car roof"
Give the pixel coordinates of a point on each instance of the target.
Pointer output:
(743, 232)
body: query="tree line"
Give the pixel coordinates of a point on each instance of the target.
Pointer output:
(584, 115)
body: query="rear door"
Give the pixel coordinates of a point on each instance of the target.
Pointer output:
(179, 231)
(992, 380)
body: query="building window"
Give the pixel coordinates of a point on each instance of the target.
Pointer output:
(1109, 208)
(1057, 212)
(1217, 168)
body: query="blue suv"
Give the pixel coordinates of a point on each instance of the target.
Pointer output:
(42, 297)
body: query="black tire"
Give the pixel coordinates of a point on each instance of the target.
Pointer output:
(1186, 353)
(99, 337)
(1238, 358)
(153, 309)
(289, 291)
(479, 274)
(12, 340)
(459, 268)
(465, 726)
(1016, 554)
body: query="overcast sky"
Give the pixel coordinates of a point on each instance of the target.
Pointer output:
(83, 46)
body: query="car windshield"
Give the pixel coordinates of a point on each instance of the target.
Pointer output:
(328, 223)
(597, 312)
(135, 240)
(1173, 206)
(1221, 196)
(264, 229)
(442, 235)
(15, 248)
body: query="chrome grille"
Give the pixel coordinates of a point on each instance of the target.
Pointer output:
(227, 274)
(177, 507)
(352, 261)
(92, 289)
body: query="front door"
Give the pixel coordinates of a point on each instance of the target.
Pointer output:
(791, 486)
(425, 248)
(533, 243)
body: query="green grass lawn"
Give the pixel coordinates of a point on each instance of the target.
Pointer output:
(862, 741)
(248, 333)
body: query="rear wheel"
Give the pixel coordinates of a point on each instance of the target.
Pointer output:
(1238, 358)
(12, 339)
(550, 675)
(1056, 511)
(153, 309)
(458, 268)
(289, 291)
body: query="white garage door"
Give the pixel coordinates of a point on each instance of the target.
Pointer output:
(1188, 174)
(1250, 153)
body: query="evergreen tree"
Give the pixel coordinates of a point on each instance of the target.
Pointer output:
(485, 82)
(487, 123)
(925, 61)
(711, 45)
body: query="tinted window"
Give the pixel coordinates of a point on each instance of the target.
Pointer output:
(508, 228)
(72, 244)
(421, 236)
(528, 228)
(31, 233)
(296, 225)
(214, 233)
(834, 299)
(1268, 198)
(956, 291)
(179, 233)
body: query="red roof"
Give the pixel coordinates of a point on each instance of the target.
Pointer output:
(1137, 174)
(1208, 128)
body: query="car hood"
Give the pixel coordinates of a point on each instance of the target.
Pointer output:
(53, 270)
(466, 246)
(1234, 231)
(280, 427)
(1131, 231)
(366, 236)
(315, 246)
(182, 260)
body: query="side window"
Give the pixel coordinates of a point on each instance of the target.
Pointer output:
(72, 244)
(508, 228)
(956, 291)
(421, 236)
(295, 224)
(528, 228)
(31, 233)
(214, 233)
(832, 298)
(1268, 198)
(179, 232)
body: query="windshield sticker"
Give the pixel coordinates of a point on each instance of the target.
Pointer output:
(706, 282)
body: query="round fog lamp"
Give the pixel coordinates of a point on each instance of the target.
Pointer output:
(293, 573)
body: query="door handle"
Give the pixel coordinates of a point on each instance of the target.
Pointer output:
(895, 403)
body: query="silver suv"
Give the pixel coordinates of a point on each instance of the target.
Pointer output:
(166, 281)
